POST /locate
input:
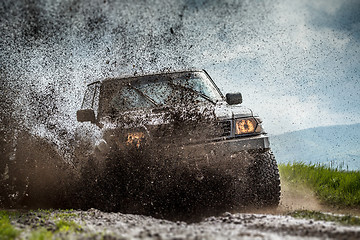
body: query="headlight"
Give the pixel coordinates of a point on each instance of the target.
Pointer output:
(245, 125)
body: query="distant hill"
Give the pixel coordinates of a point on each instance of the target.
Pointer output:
(335, 146)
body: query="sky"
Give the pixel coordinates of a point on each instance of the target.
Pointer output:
(297, 63)
(303, 69)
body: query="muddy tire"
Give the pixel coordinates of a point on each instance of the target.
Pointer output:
(265, 180)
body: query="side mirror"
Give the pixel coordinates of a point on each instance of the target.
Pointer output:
(85, 115)
(233, 98)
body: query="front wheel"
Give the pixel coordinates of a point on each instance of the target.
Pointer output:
(265, 180)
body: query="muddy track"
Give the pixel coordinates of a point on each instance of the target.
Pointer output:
(49, 187)
(100, 225)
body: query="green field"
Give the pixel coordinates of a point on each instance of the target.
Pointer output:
(334, 187)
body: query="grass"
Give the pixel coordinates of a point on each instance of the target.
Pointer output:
(318, 216)
(335, 187)
(62, 226)
(41, 234)
(61, 219)
(65, 214)
(7, 231)
(67, 226)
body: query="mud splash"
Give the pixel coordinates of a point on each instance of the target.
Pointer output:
(36, 176)
(130, 182)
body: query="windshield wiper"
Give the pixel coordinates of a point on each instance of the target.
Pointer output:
(152, 101)
(194, 91)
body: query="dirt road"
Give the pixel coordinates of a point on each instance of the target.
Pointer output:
(100, 225)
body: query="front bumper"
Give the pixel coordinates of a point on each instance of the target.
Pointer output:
(229, 156)
(234, 145)
(221, 154)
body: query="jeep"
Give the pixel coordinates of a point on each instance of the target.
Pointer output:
(184, 120)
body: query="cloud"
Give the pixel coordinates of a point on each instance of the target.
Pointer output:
(298, 72)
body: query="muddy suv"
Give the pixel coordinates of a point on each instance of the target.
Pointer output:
(182, 120)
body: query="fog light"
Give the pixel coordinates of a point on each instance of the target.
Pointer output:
(135, 138)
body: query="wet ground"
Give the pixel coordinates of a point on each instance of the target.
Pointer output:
(250, 224)
(100, 225)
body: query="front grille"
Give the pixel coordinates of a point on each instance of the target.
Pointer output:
(226, 128)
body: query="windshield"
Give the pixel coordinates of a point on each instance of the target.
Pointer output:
(156, 91)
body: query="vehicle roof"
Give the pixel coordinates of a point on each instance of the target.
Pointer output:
(147, 74)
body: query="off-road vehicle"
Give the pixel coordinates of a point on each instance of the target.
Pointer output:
(184, 121)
